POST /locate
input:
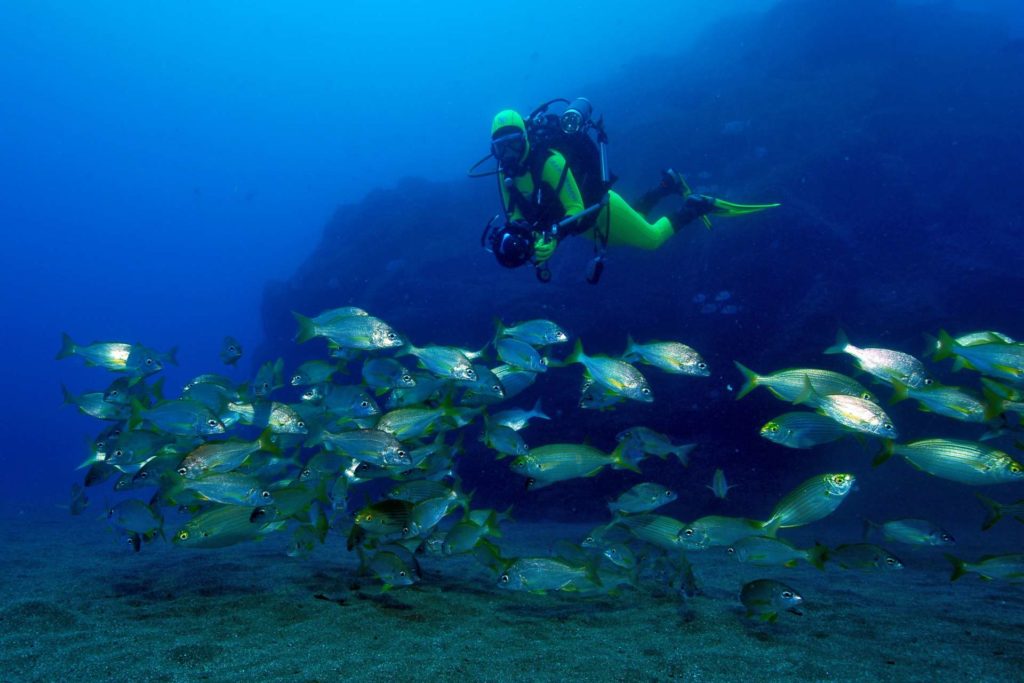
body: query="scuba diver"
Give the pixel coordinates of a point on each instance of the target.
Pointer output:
(554, 183)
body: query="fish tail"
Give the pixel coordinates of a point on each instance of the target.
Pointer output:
(619, 462)
(67, 346)
(499, 328)
(682, 453)
(538, 411)
(157, 389)
(771, 527)
(931, 344)
(490, 525)
(888, 448)
(489, 555)
(900, 392)
(993, 511)
(841, 343)
(307, 329)
(266, 442)
(69, 398)
(577, 354)
(994, 404)
(88, 462)
(868, 527)
(945, 347)
(959, 567)
(591, 569)
(630, 345)
(817, 556)
(136, 417)
(750, 379)
(807, 394)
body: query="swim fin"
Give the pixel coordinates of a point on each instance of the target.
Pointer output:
(724, 208)
(720, 207)
(686, 192)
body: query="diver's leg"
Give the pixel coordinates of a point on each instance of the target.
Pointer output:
(629, 228)
(670, 184)
(694, 206)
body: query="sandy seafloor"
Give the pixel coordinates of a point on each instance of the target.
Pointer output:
(76, 605)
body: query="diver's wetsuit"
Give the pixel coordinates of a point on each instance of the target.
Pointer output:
(627, 226)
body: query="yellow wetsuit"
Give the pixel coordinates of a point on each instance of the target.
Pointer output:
(626, 226)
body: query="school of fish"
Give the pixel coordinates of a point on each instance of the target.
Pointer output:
(228, 462)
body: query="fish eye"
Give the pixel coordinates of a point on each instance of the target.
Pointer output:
(265, 495)
(300, 424)
(702, 366)
(928, 381)
(392, 335)
(143, 474)
(1015, 468)
(688, 532)
(496, 388)
(838, 479)
(730, 550)
(890, 560)
(645, 391)
(866, 396)
(947, 538)
(787, 594)
(149, 361)
(266, 386)
(114, 392)
(405, 530)
(211, 422)
(364, 404)
(401, 573)
(232, 349)
(182, 535)
(588, 539)
(887, 426)
(182, 471)
(118, 453)
(504, 578)
(401, 453)
(368, 517)
(305, 472)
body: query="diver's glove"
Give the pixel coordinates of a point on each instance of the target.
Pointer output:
(543, 247)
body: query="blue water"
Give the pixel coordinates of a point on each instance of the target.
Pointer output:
(161, 164)
(169, 172)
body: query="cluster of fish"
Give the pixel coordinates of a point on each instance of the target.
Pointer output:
(229, 462)
(719, 303)
(398, 431)
(843, 407)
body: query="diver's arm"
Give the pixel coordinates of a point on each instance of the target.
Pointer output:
(512, 213)
(569, 196)
(554, 174)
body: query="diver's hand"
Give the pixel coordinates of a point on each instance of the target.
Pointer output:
(543, 247)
